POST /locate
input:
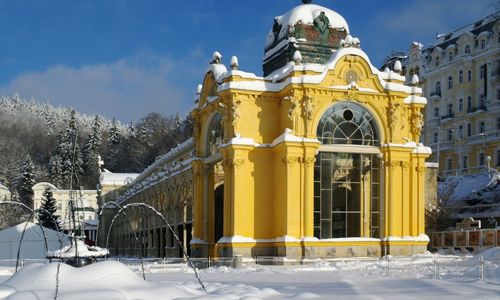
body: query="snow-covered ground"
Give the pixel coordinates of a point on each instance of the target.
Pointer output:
(419, 277)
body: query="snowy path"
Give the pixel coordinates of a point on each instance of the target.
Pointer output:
(334, 285)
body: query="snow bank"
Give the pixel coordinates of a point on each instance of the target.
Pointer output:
(83, 251)
(104, 280)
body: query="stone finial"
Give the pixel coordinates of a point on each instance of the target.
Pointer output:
(297, 57)
(199, 88)
(414, 79)
(398, 67)
(234, 62)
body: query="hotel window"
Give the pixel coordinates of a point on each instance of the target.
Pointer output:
(498, 94)
(469, 103)
(483, 44)
(450, 109)
(469, 129)
(450, 164)
(482, 100)
(481, 159)
(482, 127)
(436, 112)
(482, 69)
(450, 82)
(450, 134)
(450, 55)
(498, 123)
(438, 87)
(437, 61)
(461, 105)
(460, 131)
(436, 137)
(498, 158)
(469, 75)
(461, 76)
(465, 162)
(467, 49)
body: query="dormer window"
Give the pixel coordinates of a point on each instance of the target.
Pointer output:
(483, 44)
(450, 56)
(438, 87)
(467, 49)
(437, 61)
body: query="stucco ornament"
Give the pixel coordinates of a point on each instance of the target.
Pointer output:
(235, 115)
(322, 23)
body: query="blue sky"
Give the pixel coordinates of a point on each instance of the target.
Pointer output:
(124, 58)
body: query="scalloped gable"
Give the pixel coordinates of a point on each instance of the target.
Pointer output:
(281, 78)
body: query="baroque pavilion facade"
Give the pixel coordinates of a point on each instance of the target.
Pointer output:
(320, 157)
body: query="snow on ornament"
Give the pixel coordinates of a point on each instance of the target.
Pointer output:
(199, 88)
(234, 62)
(297, 57)
(216, 58)
(350, 42)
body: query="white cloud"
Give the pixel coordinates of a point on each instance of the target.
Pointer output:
(127, 89)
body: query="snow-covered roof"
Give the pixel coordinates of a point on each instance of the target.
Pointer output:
(306, 13)
(33, 244)
(110, 178)
(467, 187)
(42, 185)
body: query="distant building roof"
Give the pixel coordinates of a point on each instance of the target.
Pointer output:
(484, 24)
(110, 178)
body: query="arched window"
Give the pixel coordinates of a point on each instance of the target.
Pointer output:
(347, 174)
(467, 49)
(215, 135)
(347, 123)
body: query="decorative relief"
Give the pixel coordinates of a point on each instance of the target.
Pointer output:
(394, 163)
(393, 114)
(237, 162)
(208, 170)
(308, 107)
(292, 105)
(417, 122)
(290, 160)
(420, 169)
(308, 161)
(230, 163)
(405, 164)
(235, 114)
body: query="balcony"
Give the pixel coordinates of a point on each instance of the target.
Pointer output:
(435, 95)
(480, 108)
(447, 117)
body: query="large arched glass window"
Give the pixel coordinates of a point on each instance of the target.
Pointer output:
(215, 135)
(347, 123)
(347, 174)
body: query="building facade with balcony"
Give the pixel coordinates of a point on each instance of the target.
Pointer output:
(460, 77)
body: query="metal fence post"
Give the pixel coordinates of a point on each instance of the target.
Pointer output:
(481, 267)
(434, 262)
(388, 272)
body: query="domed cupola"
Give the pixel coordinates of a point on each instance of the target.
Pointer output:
(312, 29)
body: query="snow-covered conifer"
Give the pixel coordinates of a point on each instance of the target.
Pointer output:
(47, 215)
(26, 181)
